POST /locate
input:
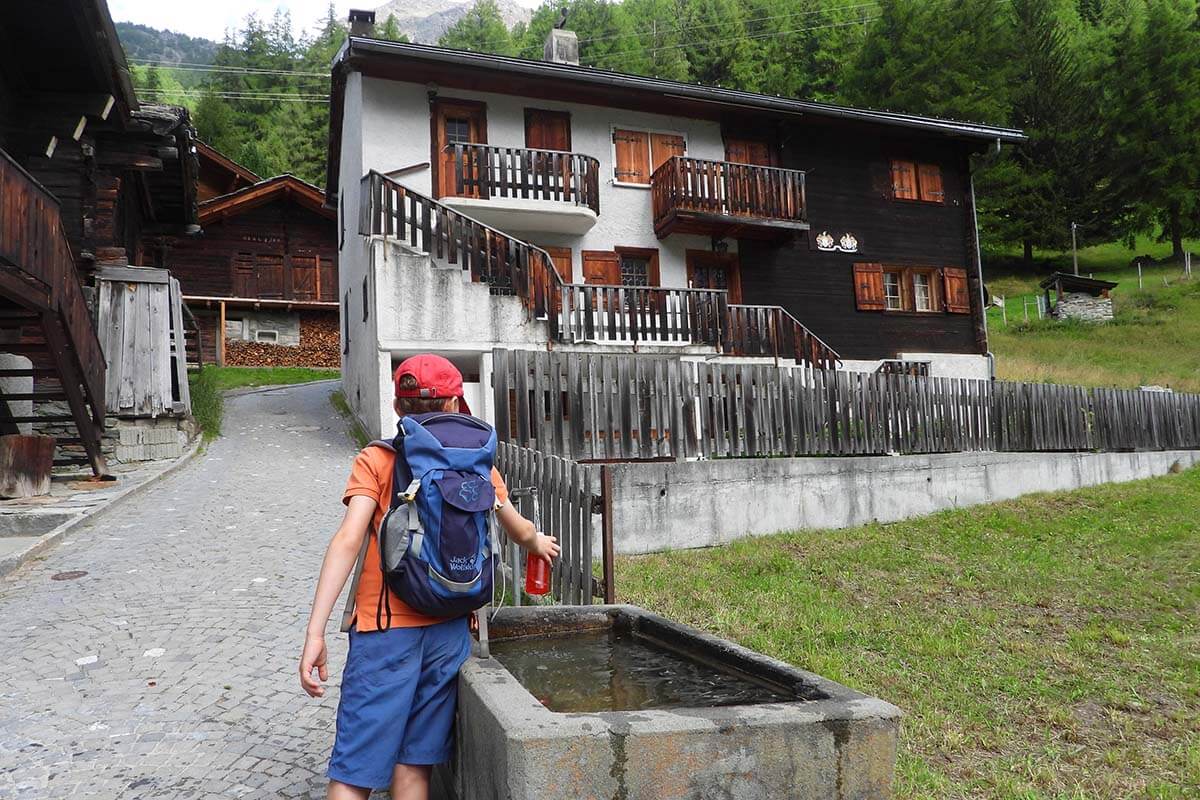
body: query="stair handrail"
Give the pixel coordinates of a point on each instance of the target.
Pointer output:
(536, 279)
(817, 353)
(529, 257)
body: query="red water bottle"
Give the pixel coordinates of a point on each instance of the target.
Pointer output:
(537, 575)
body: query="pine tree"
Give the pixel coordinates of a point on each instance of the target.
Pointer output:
(1034, 193)
(1155, 119)
(390, 31)
(481, 30)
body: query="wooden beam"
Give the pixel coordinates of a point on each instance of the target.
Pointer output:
(221, 337)
(136, 161)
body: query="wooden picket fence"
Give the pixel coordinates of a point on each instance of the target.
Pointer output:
(565, 499)
(620, 407)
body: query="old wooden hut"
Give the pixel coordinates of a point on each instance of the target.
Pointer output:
(89, 177)
(261, 279)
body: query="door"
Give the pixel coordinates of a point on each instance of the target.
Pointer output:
(750, 151)
(561, 256)
(707, 270)
(744, 192)
(457, 122)
(550, 130)
(547, 130)
(305, 275)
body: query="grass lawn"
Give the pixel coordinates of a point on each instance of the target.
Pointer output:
(209, 384)
(1153, 339)
(1047, 647)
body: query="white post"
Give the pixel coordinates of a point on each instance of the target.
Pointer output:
(1139, 263)
(1074, 248)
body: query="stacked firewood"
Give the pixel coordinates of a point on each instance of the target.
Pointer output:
(320, 346)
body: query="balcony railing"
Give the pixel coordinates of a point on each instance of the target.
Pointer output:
(489, 172)
(698, 195)
(582, 312)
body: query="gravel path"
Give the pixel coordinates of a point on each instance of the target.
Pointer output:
(169, 670)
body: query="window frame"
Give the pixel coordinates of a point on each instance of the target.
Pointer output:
(916, 173)
(908, 289)
(650, 254)
(612, 151)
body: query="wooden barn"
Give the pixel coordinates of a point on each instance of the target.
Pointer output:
(261, 278)
(89, 179)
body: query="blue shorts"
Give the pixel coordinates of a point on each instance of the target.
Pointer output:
(399, 694)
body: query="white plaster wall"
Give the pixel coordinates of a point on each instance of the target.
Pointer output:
(941, 365)
(364, 381)
(396, 134)
(703, 503)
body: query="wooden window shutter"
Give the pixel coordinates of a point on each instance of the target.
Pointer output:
(601, 266)
(304, 277)
(663, 146)
(930, 176)
(958, 296)
(327, 287)
(633, 156)
(868, 287)
(904, 180)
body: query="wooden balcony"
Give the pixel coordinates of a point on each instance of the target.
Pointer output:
(43, 312)
(723, 199)
(524, 189)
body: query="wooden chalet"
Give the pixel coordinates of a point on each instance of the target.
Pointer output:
(89, 178)
(262, 272)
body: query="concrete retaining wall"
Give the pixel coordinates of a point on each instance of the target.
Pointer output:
(703, 503)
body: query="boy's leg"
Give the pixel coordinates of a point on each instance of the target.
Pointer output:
(429, 738)
(344, 791)
(379, 682)
(410, 782)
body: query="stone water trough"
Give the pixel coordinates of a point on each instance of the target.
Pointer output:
(615, 702)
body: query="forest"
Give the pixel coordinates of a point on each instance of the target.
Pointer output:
(1108, 91)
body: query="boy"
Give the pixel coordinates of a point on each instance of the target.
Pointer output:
(400, 684)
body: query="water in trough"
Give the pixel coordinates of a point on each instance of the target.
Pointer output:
(616, 669)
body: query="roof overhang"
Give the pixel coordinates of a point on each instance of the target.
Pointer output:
(1080, 283)
(448, 68)
(206, 152)
(287, 187)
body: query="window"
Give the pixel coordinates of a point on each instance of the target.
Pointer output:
(635, 270)
(366, 304)
(913, 181)
(637, 153)
(458, 130)
(266, 336)
(914, 289)
(891, 290)
(922, 291)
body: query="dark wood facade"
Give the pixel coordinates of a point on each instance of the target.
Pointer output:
(90, 176)
(849, 190)
(270, 246)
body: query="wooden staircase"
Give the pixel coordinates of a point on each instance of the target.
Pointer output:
(44, 319)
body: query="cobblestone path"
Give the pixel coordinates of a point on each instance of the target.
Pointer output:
(169, 670)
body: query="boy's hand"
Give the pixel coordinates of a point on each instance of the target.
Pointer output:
(313, 657)
(545, 546)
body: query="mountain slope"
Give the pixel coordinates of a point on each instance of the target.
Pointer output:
(143, 43)
(426, 20)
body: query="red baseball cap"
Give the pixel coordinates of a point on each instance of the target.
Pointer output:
(436, 377)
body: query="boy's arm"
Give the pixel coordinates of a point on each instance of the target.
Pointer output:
(340, 557)
(525, 533)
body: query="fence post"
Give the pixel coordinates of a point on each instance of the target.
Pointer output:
(606, 532)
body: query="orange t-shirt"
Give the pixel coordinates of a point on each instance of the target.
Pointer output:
(371, 476)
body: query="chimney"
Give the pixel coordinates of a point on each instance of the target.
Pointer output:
(362, 23)
(562, 46)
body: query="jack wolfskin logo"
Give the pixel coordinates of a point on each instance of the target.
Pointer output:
(469, 492)
(462, 563)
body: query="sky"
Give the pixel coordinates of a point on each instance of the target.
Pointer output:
(210, 18)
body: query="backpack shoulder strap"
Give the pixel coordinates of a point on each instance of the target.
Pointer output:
(348, 611)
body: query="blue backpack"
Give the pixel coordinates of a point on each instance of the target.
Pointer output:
(435, 542)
